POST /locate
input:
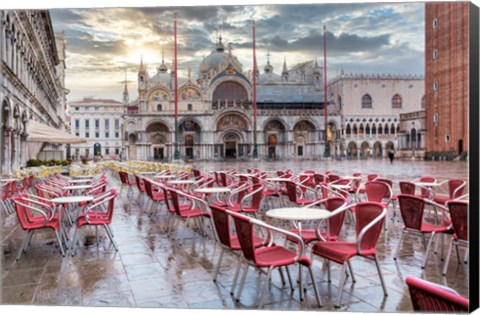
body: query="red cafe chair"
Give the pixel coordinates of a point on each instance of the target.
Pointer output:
(271, 256)
(458, 211)
(33, 217)
(98, 213)
(412, 209)
(369, 217)
(431, 297)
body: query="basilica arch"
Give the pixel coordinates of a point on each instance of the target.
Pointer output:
(158, 134)
(275, 137)
(231, 133)
(304, 135)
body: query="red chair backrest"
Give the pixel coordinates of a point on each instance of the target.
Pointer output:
(372, 177)
(257, 196)
(333, 177)
(459, 215)
(319, 178)
(291, 191)
(139, 182)
(376, 191)
(429, 297)
(335, 222)
(453, 184)
(21, 212)
(148, 188)
(366, 212)
(387, 181)
(412, 210)
(222, 224)
(245, 235)
(407, 188)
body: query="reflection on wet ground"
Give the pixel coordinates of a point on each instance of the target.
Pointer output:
(151, 270)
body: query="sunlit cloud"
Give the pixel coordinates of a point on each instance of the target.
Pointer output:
(361, 37)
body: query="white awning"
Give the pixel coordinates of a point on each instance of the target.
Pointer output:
(38, 132)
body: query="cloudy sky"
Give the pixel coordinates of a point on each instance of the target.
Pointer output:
(361, 37)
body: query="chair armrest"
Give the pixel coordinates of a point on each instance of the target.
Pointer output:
(342, 208)
(33, 209)
(245, 198)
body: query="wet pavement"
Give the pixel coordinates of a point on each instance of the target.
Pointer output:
(152, 270)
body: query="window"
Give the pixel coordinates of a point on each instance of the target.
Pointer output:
(87, 123)
(423, 102)
(366, 101)
(77, 123)
(107, 135)
(349, 130)
(107, 151)
(87, 108)
(159, 107)
(396, 101)
(189, 107)
(97, 134)
(117, 151)
(117, 123)
(435, 54)
(447, 138)
(435, 23)
(97, 108)
(77, 108)
(97, 123)
(117, 134)
(87, 134)
(435, 86)
(77, 134)
(107, 123)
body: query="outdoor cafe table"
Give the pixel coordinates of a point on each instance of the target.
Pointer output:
(181, 181)
(429, 187)
(213, 190)
(70, 200)
(79, 181)
(165, 176)
(278, 179)
(83, 176)
(298, 214)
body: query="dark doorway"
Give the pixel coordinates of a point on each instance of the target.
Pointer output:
(271, 153)
(460, 146)
(230, 149)
(189, 152)
(158, 153)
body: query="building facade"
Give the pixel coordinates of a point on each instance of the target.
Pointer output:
(447, 76)
(31, 81)
(100, 122)
(370, 107)
(216, 112)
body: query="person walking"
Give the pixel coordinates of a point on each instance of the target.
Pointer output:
(391, 156)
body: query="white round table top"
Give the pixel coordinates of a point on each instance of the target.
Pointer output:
(6, 180)
(76, 187)
(147, 173)
(181, 181)
(352, 177)
(84, 176)
(339, 186)
(77, 181)
(245, 174)
(165, 176)
(426, 184)
(298, 213)
(212, 190)
(278, 179)
(72, 199)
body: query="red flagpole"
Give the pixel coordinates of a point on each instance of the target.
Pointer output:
(325, 93)
(255, 153)
(176, 153)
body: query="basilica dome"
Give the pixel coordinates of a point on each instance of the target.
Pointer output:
(268, 76)
(161, 77)
(218, 60)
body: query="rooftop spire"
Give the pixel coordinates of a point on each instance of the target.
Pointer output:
(125, 91)
(285, 69)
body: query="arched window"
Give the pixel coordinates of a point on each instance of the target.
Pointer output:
(385, 129)
(392, 129)
(339, 101)
(380, 129)
(159, 107)
(348, 130)
(396, 101)
(355, 131)
(366, 101)
(360, 129)
(189, 107)
(367, 129)
(374, 129)
(423, 102)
